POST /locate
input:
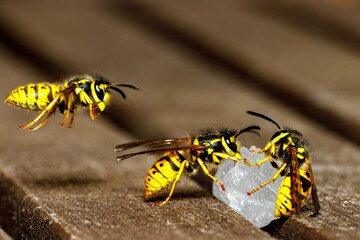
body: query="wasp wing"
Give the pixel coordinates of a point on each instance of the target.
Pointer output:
(162, 150)
(295, 189)
(125, 146)
(314, 195)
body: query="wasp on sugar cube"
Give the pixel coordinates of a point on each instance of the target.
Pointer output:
(288, 152)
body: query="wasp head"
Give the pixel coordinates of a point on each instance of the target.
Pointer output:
(100, 90)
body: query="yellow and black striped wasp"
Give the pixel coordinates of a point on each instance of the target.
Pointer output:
(77, 91)
(288, 152)
(209, 147)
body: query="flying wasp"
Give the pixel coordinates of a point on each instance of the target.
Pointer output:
(187, 155)
(78, 90)
(288, 152)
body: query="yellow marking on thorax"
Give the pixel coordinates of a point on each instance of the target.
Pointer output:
(301, 150)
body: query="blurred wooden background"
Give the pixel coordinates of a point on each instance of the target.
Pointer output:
(198, 64)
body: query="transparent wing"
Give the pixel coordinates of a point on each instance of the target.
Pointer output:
(295, 181)
(156, 142)
(314, 195)
(161, 150)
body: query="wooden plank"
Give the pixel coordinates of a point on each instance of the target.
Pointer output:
(182, 93)
(4, 235)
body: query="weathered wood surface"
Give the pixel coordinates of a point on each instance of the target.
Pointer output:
(4, 235)
(195, 67)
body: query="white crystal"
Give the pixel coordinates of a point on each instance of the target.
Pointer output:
(259, 207)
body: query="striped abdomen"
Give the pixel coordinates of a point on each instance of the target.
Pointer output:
(34, 96)
(162, 174)
(284, 205)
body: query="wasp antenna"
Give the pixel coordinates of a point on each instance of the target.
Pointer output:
(121, 158)
(249, 129)
(264, 117)
(119, 91)
(127, 85)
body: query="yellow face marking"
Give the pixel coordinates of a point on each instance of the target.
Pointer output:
(101, 106)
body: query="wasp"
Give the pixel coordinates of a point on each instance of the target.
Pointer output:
(187, 155)
(78, 90)
(288, 152)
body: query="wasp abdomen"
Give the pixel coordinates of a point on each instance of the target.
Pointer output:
(162, 174)
(33, 96)
(284, 205)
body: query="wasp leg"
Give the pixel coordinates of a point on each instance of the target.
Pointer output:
(225, 155)
(43, 122)
(267, 147)
(314, 195)
(271, 180)
(47, 109)
(206, 171)
(177, 178)
(85, 99)
(270, 145)
(91, 112)
(65, 118)
(70, 102)
(71, 119)
(94, 110)
(258, 163)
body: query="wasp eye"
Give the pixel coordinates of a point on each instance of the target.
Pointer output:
(231, 144)
(100, 93)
